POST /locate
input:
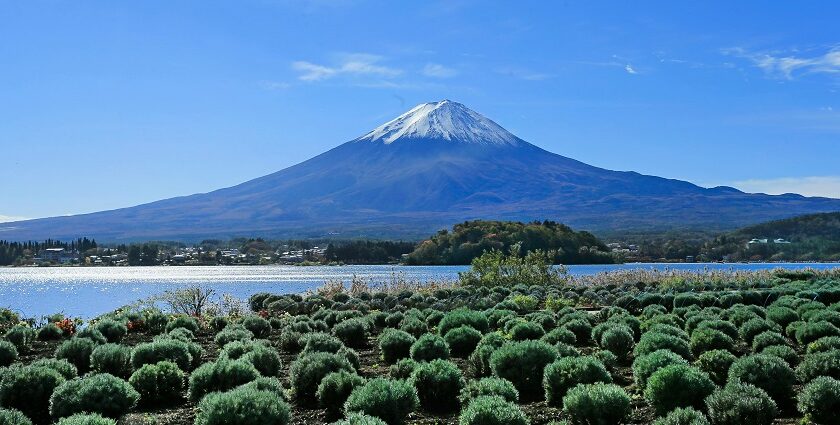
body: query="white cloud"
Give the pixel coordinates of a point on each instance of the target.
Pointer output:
(787, 66)
(827, 186)
(359, 64)
(629, 69)
(524, 74)
(8, 218)
(275, 85)
(438, 71)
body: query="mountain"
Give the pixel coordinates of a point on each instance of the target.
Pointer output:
(437, 164)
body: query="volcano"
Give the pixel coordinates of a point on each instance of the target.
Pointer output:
(437, 164)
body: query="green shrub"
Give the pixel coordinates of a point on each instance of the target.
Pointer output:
(479, 360)
(243, 406)
(171, 350)
(86, 419)
(599, 403)
(646, 365)
(395, 345)
(186, 322)
(231, 334)
(414, 326)
(703, 340)
(582, 330)
(389, 400)
(28, 389)
(92, 334)
(769, 373)
(523, 331)
(488, 387)
(678, 386)
(76, 351)
(438, 385)
(22, 336)
(617, 340)
(683, 416)
(63, 367)
(492, 410)
(218, 323)
(181, 334)
(740, 404)
(753, 327)
(523, 363)
(50, 332)
(321, 342)
(360, 419)
(261, 328)
(309, 369)
(112, 330)
(158, 383)
(766, 339)
(462, 341)
(568, 372)
(720, 325)
(402, 369)
(783, 352)
(457, 318)
(13, 417)
(716, 363)
(820, 400)
(352, 332)
(8, 353)
(429, 347)
(609, 359)
(221, 375)
(336, 387)
(100, 393)
(112, 358)
(560, 335)
(655, 341)
(782, 316)
(826, 363)
(824, 344)
(810, 332)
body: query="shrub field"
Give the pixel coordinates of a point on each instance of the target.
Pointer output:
(747, 351)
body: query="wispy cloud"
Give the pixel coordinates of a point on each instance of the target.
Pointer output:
(436, 70)
(8, 218)
(629, 69)
(788, 66)
(827, 186)
(354, 64)
(524, 74)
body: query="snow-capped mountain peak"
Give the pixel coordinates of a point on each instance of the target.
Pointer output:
(446, 121)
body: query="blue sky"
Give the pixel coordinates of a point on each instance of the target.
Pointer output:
(108, 104)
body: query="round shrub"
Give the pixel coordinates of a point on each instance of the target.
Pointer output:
(438, 385)
(360, 419)
(76, 351)
(523, 363)
(50, 332)
(429, 347)
(782, 316)
(526, 330)
(617, 340)
(158, 383)
(243, 406)
(218, 323)
(582, 329)
(462, 341)
(265, 359)
(186, 322)
(560, 335)
(716, 363)
(63, 367)
(13, 417)
(336, 387)
(599, 403)
(683, 416)
(231, 334)
(810, 332)
(414, 326)
(99, 393)
(402, 369)
(703, 340)
(258, 326)
(783, 352)
(645, 366)
(112, 330)
(181, 334)
(720, 325)
(489, 387)
(568, 372)
(221, 375)
(395, 345)
(479, 360)
(753, 327)
(826, 363)
(321, 342)
(655, 341)
(820, 400)
(492, 410)
(457, 318)
(389, 400)
(309, 369)
(740, 404)
(824, 344)
(28, 389)
(769, 373)
(20, 335)
(678, 386)
(112, 358)
(352, 332)
(171, 350)
(86, 419)
(8, 353)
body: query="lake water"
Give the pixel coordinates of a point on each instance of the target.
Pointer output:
(90, 291)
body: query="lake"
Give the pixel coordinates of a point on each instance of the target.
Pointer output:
(90, 291)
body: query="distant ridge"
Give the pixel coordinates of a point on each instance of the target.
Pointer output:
(438, 164)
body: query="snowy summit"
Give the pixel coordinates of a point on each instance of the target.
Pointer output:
(444, 120)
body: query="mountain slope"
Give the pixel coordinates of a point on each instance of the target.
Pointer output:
(438, 164)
